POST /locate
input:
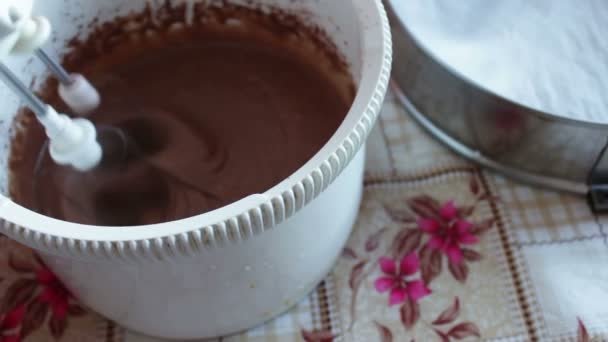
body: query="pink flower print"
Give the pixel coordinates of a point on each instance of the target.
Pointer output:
(448, 232)
(53, 293)
(401, 289)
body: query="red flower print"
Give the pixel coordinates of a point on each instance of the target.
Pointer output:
(10, 338)
(401, 289)
(10, 321)
(448, 232)
(33, 300)
(53, 293)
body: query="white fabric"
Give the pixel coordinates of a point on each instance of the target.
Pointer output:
(548, 54)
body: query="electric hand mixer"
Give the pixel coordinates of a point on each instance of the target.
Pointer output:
(72, 141)
(77, 142)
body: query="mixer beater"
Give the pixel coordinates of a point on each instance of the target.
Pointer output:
(71, 141)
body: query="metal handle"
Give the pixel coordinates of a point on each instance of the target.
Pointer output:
(56, 69)
(32, 101)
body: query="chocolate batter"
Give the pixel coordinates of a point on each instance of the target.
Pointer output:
(210, 114)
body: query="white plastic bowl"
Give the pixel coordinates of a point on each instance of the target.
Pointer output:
(233, 268)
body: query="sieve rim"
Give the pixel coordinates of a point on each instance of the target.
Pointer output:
(548, 150)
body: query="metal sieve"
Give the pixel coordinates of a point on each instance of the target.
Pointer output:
(523, 143)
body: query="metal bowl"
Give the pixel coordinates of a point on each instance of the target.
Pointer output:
(518, 141)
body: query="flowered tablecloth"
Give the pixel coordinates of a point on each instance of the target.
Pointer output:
(442, 251)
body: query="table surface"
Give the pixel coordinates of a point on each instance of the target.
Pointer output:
(442, 251)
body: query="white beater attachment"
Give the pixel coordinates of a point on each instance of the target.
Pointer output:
(79, 94)
(72, 141)
(24, 34)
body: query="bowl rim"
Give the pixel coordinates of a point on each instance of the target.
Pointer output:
(255, 214)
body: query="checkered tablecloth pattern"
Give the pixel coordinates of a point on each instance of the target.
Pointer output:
(442, 251)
